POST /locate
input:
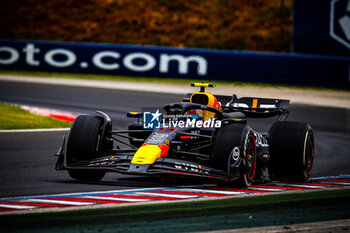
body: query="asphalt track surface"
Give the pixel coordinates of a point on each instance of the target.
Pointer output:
(27, 161)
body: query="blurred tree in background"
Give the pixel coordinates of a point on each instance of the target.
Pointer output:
(262, 25)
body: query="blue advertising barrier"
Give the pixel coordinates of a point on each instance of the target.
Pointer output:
(149, 61)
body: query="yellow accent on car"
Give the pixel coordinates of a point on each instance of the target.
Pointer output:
(134, 113)
(200, 168)
(211, 102)
(147, 154)
(255, 104)
(236, 119)
(203, 85)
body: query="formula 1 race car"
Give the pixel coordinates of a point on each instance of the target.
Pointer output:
(204, 136)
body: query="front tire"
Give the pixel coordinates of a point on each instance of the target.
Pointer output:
(83, 144)
(231, 138)
(292, 150)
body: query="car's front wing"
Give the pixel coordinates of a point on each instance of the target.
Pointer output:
(122, 164)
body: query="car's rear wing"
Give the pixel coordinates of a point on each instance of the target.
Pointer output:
(257, 107)
(252, 107)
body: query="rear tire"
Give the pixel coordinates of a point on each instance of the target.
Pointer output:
(292, 150)
(227, 139)
(83, 144)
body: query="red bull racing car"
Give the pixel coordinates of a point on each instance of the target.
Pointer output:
(204, 136)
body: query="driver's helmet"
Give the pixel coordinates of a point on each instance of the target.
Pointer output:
(205, 98)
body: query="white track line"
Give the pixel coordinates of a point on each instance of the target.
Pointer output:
(302, 186)
(340, 183)
(33, 130)
(126, 191)
(117, 199)
(267, 189)
(212, 191)
(17, 206)
(58, 202)
(166, 195)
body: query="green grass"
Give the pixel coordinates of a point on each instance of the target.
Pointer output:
(160, 80)
(14, 117)
(191, 216)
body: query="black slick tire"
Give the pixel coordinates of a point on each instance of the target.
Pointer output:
(83, 144)
(292, 150)
(227, 139)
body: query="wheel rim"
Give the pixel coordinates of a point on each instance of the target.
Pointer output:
(250, 158)
(309, 153)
